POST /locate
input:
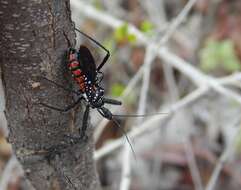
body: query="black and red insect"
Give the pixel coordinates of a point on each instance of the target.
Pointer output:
(88, 77)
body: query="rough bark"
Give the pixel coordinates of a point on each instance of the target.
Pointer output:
(33, 43)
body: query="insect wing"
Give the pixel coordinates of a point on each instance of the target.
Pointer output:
(87, 63)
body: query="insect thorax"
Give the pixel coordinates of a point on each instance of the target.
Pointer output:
(94, 95)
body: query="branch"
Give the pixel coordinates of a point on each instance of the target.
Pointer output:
(126, 167)
(177, 21)
(150, 55)
(222, 160)
(148, 125)
(7, 174)
(193, 165)
(184, 67)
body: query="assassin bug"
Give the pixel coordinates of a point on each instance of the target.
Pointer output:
(88, 77)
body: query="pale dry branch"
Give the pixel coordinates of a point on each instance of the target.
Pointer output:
(12, 170)
(176, 22)
(125, 93)
(193, 165)
(203, 81)
(149, 125)
(150, 55)
(126, 167)
(221, 161)
(184, 67)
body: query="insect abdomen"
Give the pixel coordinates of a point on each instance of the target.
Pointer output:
(74, 67)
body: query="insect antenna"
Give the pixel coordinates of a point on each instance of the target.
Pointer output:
(92, 39)
(136, 115)
(98, 44)
(127, 138)
(58, 85)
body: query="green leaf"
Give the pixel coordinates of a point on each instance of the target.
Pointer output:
(230, 60)
(146, 26)
(219, 54)
(131, 38)
(121, 33)
(97, 5)
(209, 57)
(117, 89)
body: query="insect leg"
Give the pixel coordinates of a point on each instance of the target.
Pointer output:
(105, 113)
(99, 77)
(66, 109)
(85, 123)
(60, 86)
(103, 61)
(111, 101)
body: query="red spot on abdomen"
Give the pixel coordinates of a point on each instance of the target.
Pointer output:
(77, 72)
(79, 80)
(73, 64)
(82, 86)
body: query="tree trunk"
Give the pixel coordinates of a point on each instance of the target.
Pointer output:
(34, 40)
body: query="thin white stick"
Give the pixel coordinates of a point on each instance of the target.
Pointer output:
(233, 79)
(156, 11)
(175, 107)
(191, 158)
(150, 55)
(191, 72)
(126, 166)
(171, 83)
(127, 91)
(171, 28)
(148, 125)
(220, 164)
(236, 77)
(197, 76)
(3, 120)
(174, 95)
(214, 177)
(177, 21)
(126, 169)
(7, 174)
(193, 165)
